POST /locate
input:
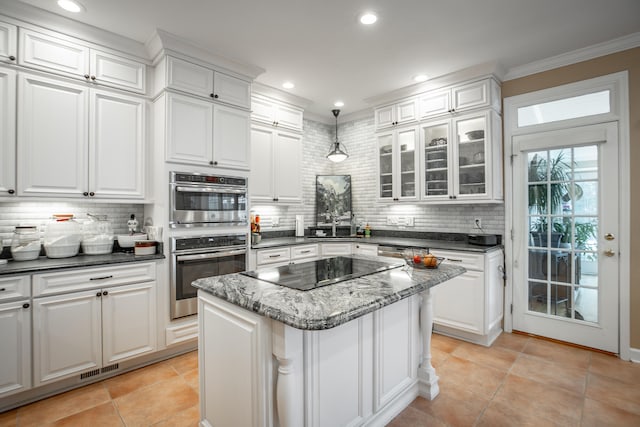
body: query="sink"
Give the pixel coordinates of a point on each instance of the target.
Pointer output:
(328, 237)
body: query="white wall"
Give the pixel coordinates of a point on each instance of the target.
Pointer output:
(359, 138)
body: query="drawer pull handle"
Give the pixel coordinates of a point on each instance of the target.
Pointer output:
(305, 252)
(454, 260)
(274, 256)
(3, 289)
(102, 278)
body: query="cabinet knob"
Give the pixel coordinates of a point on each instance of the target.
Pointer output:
(213, 162)
(99, 294)
(12, 58)
(3, 289)
(92, 194)
(11, 191)
(214, 95)
(86, 76)
(26, 305)
(93, 78)
(105, 293)
(85, 194)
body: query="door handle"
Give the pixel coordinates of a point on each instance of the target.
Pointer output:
(609, 253)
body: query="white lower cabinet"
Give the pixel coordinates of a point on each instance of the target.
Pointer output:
(335, 249)
(304, 253)
(470, 306)
(365, 249)
(86, 331)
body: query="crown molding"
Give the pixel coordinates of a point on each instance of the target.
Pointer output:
(580, 55)
(162, 42)
(280, 95)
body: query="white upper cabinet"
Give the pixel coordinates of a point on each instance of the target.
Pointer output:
(480, 94)
(204, 82)
(71, 58)
(8, 43)
(275, 113)
(398, 165)
(201, 133)
(396, 114)
(79, 142)
(7, 132)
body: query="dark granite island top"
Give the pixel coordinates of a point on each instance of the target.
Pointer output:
(329, 306)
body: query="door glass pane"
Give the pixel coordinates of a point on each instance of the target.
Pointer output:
(407, 145)
(385, 150)
(586, 304)
(436, 160)
(563, 230)
(471, 155)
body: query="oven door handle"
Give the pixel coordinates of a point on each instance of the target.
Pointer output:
(211, 189)
(210, 255)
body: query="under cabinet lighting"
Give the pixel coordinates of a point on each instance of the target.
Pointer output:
(71, 6)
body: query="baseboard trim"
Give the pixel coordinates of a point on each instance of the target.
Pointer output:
(634, 355)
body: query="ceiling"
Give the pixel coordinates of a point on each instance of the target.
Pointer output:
(321, 47)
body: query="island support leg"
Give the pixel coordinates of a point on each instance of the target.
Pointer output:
(426, 373)
(287, 349)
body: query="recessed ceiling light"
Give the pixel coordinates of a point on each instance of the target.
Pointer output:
(420, 78)
(368, 18)
(288, 85)
(338, 104)
(71, 6)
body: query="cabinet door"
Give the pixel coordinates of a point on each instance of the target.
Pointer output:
(232, 90)
(116, 145)
(7, 131)
(289, 117)
(470, 168)
(460, 304)
(66, 336)
(189, 130)
(261, 181)
(472, 95)
(435, 103)
(365, 249)
(385, 116)
(287, 172)
(386, 166)
(188, 77)
(406, 111)
(15, 351)
(407, 167)
(263, 110)
(52, 137)
(116, 71)
(231, 134)
(128, 322)
(52, 54)
(436, 160)
(8, 42)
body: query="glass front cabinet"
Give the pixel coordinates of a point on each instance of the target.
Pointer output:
(461, 158)
(398, 164)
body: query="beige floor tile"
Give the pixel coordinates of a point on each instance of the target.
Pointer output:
(614, 393)
(188, 418)
(185, 362)
(191, 378)
(539, 370)
(454, 405)
(597, 414)
(558, 353)
(9, 418)
(502, 415)
(477, 379)
(131, 381)
(529, 399)
(156, 402)
(62, 405)
(510, 341)
(438, 357)
(444, 343)
(412, 417)
(100, 416)
(495, 357)
(613, 367)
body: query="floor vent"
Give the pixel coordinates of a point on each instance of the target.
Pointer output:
(110, 368)
(90, 374)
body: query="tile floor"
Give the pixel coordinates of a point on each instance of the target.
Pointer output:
(519, 381)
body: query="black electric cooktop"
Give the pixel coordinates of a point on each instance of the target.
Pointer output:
(323, 272)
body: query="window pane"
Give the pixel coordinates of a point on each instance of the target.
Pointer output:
(564, 109)
(538, 297)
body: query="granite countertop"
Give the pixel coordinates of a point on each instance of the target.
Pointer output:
(47, 264)
(328, 306)
(398, 241)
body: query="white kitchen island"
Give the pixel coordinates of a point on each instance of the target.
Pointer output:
(346, 354)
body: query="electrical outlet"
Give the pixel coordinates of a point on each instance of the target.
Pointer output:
(477, 223)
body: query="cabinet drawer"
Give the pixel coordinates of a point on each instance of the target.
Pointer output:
(336, 249)
(91, 278)
(14, 287)
(271, 256)
(304, 251)
(468, 260)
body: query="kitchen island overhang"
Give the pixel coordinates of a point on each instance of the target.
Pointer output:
(341, 354)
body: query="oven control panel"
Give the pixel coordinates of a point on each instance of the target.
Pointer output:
(205, 242)
(207, 179)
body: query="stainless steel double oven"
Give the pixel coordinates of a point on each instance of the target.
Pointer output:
(213, 202)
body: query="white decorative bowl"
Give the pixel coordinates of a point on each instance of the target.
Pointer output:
(129, 240)
(62, 251)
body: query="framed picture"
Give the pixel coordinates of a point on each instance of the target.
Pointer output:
(333, 199)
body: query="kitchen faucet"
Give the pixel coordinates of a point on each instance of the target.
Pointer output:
(334, 222)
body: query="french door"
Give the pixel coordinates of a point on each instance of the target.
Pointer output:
(565, 222)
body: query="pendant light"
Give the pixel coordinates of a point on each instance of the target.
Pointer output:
(337, 153)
